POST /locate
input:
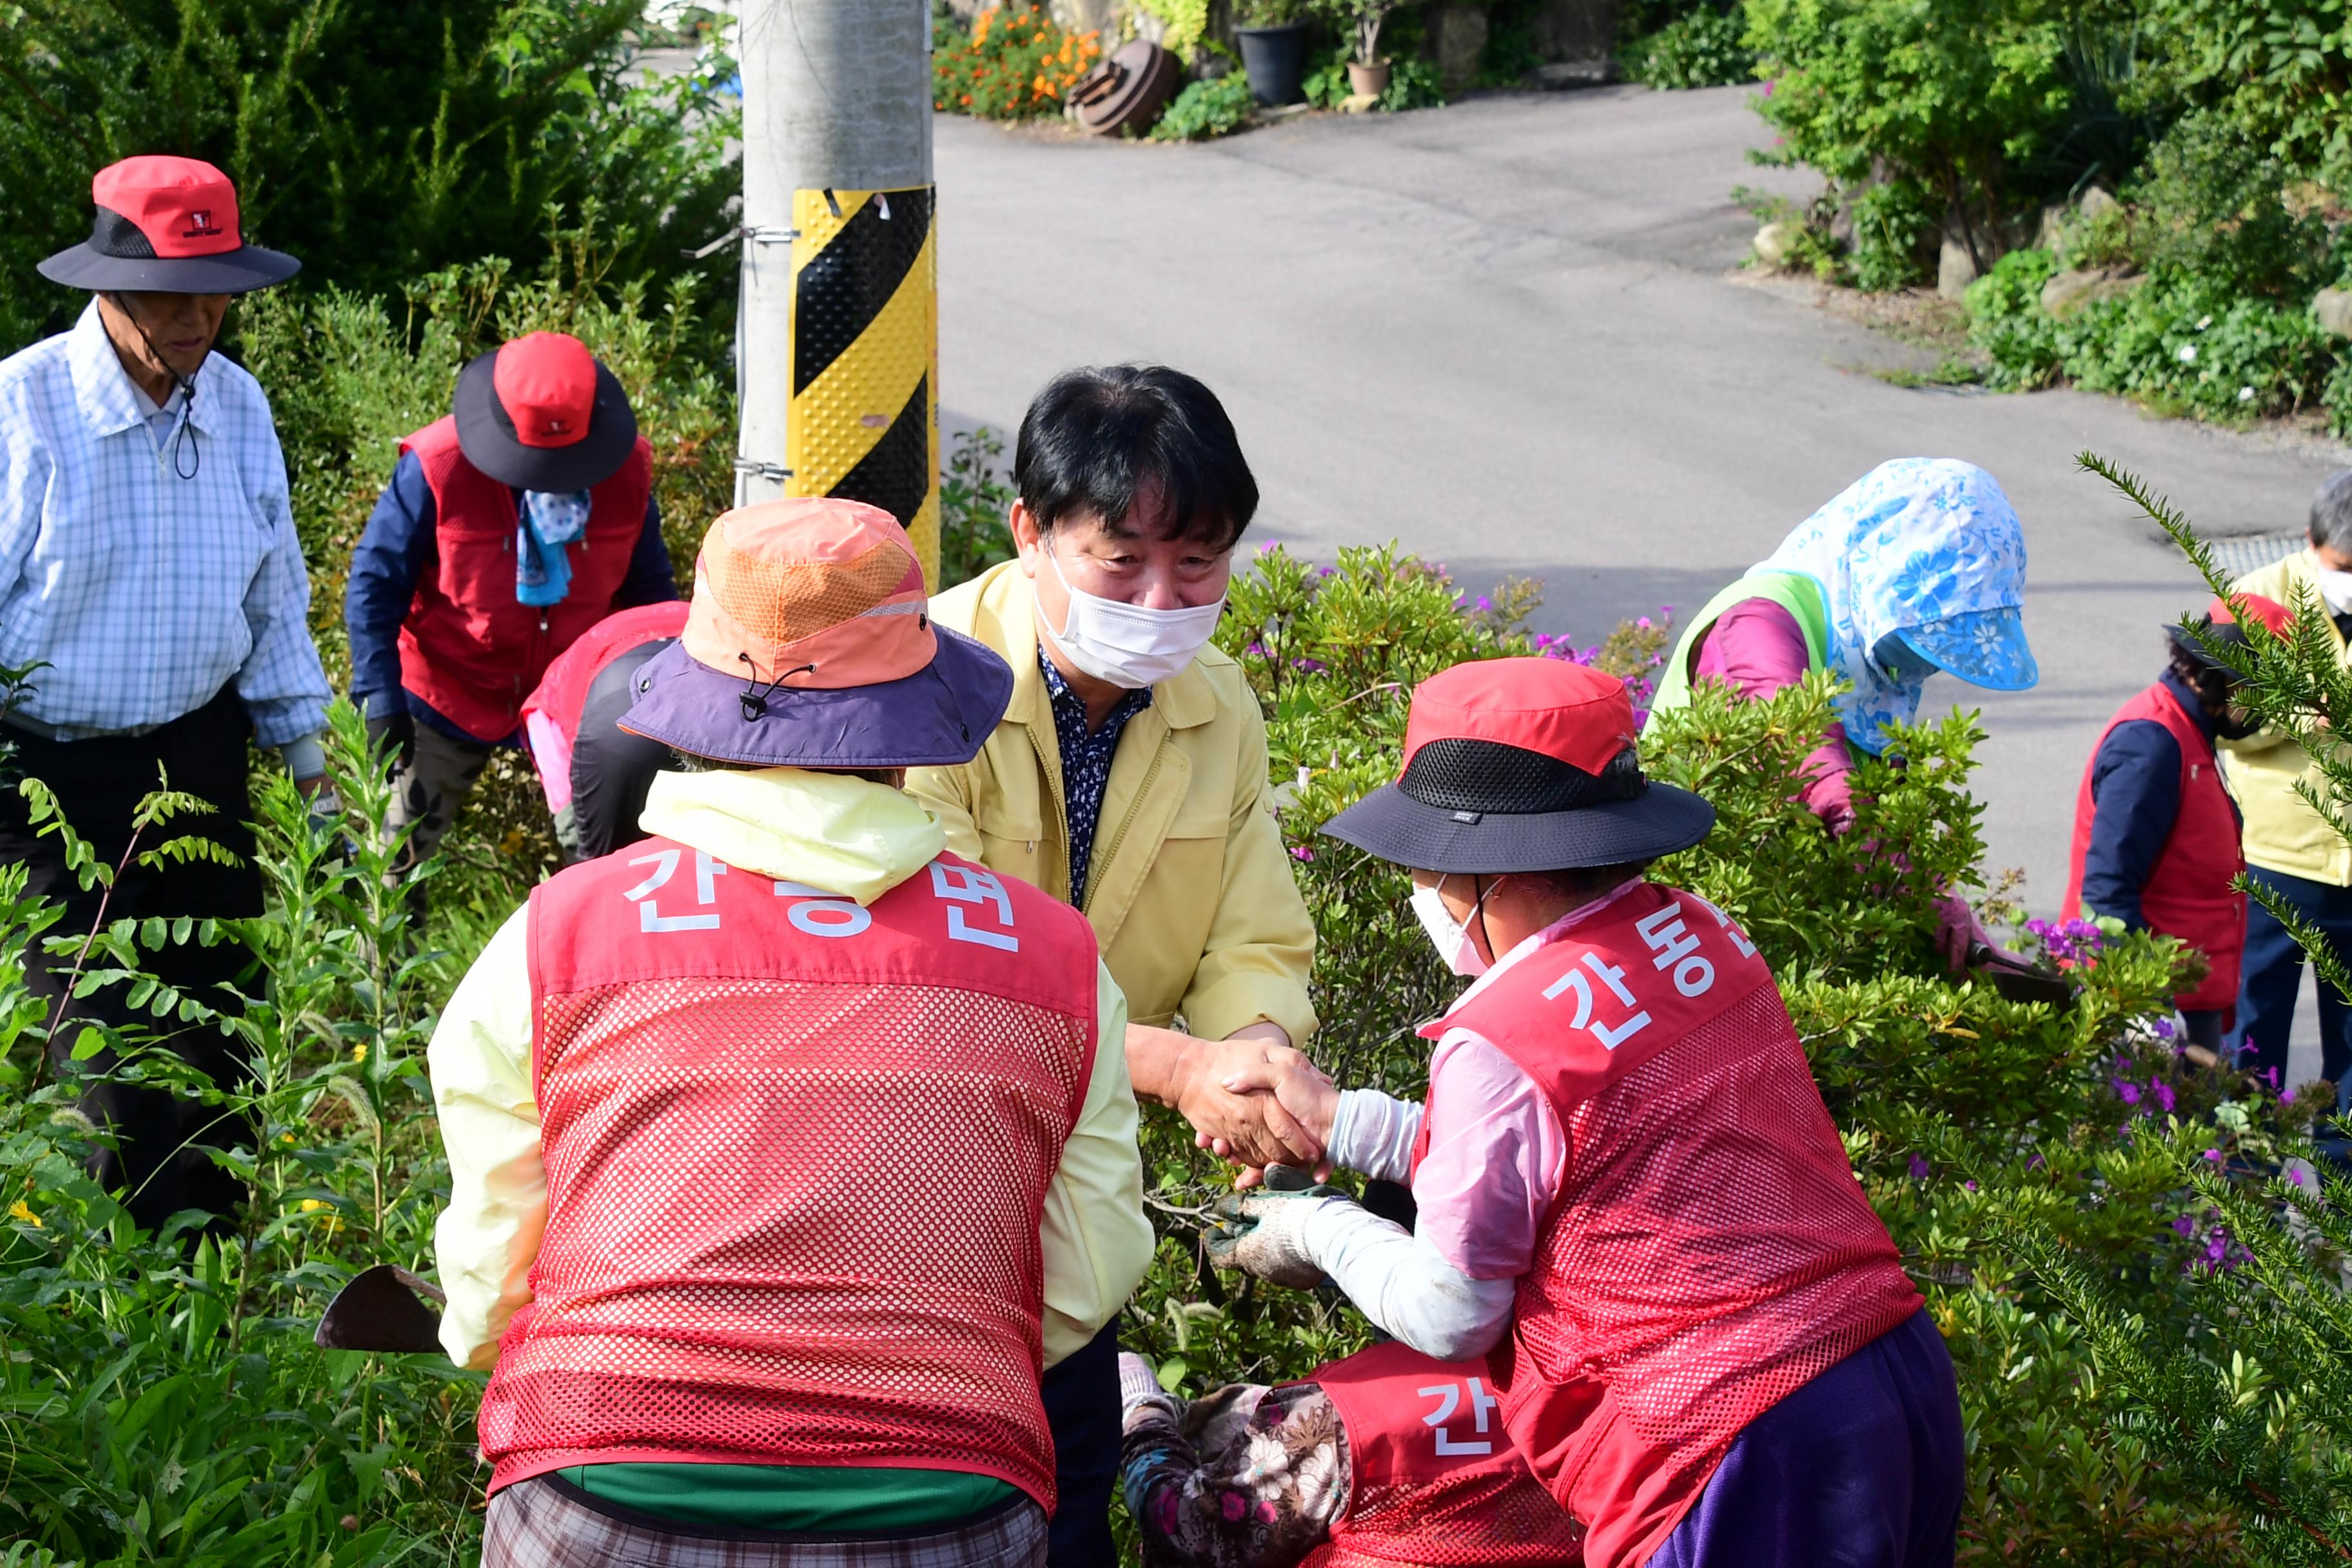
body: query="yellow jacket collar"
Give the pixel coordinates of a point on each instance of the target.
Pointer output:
(845, 835)
(1009, 599)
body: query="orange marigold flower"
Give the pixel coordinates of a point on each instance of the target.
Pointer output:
(966, 100)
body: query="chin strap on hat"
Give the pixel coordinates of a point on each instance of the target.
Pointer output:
(183, 433)
(754, 697)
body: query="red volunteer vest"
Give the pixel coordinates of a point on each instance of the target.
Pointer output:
(1711, 1251)
(797, 1153)
(2188, 895)
(1433, 1477)
(467, 647)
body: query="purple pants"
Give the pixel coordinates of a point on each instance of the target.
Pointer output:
(1862, 1467)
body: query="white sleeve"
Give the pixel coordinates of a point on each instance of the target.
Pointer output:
(1372, 1135)
(1399, 1281)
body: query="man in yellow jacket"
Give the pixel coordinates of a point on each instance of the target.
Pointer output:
(2290, 849)
(1130, 778)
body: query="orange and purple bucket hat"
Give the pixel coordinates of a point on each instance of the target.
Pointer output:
(809, 643)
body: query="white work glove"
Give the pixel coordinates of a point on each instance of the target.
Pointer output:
(1263, 1232)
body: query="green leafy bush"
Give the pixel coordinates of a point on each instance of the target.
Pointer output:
(2183, 343)
(378, 139)
(1013, 65)
(1412, 84)
(163, 1401)
(1706, 47)
(974, 501)
(1218, 107)
(1956, 102)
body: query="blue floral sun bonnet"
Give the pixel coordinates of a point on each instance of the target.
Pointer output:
(1928, 547)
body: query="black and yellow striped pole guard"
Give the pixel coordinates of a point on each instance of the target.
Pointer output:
(863, 422)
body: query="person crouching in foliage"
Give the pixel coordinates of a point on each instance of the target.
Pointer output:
(509, 528)
(1386, 1457)
(786, 1147)
(1629, 1189)
(2156, 836)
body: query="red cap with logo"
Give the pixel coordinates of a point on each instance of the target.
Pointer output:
(166, 225)
(540, 414)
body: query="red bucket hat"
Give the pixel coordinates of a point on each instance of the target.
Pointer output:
(810, 643)
(542, 413)
(166, 225)
(1521, 764)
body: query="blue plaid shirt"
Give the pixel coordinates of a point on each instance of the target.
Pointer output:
(145, 592)
(1085, 764)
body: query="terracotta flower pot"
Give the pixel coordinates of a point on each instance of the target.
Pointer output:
(1367, 81)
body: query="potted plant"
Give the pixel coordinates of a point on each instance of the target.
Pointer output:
(1273, 38)
(1368, 71)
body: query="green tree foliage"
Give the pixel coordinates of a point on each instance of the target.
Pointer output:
(2247, 1382)
(1217, 107)
(378, 139)
(1704, 45)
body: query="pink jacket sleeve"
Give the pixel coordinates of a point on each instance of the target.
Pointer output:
(1498, 1156)
(1758, 648)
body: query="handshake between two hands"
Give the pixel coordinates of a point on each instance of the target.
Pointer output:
(1251, 1098)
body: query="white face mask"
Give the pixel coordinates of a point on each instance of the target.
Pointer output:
(2335, 588)
(1448, 935)
(1127, 645)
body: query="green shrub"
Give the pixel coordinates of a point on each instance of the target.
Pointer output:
(1412, 84)
(378, 139)
(1968, 106)
(2183, 343)
(1206, 109)
(1013, 65)
(974, 501)
(1704, 47)
(163, 1402)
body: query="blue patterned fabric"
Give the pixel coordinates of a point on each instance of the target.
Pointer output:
(546, 522)
(143, 592)
(1085, 764)
(1927, 547)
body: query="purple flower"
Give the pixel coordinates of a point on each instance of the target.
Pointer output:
(1643, 623)
(2164, 1028)
(1256, 647)
(1299, 852)
(2183, 1227)
(1667, 611)
(2128, 1092)
(2294, 1175)
(1327, 572)
(1311, 666)
(1485, 604)
(2286, 1097)
(2034, 1163)
(2163, 1092)
(1918, 1169)
(1969, 1185)
(2272, 1074)
(2214, 1155)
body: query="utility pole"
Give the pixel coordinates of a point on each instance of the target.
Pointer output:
(837, 345)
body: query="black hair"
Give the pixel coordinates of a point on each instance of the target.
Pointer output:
(1097, 436)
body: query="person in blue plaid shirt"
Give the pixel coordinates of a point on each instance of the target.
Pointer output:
(152, 582)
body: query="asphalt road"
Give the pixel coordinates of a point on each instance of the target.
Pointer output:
(1503, 333)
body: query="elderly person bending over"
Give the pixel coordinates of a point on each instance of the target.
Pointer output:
(1712, 1354)
(1918, 566)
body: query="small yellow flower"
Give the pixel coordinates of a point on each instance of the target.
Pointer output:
(22, 1210)
(359, 1052)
